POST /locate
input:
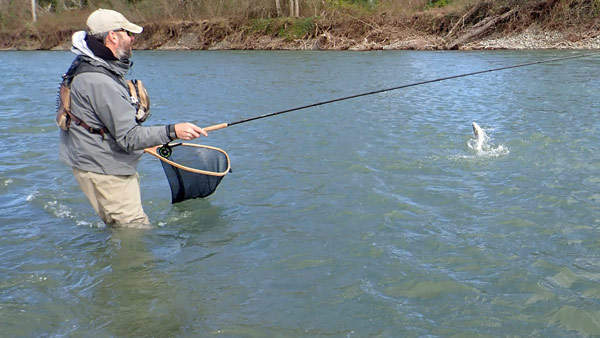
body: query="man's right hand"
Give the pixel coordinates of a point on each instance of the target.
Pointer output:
(188, 131)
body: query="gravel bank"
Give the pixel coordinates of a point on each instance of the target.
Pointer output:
(534, 38)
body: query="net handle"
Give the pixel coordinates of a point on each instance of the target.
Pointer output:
(216, 127)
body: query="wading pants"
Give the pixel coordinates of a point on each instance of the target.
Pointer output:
(115, 198)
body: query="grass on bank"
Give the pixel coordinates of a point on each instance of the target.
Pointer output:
(16, 16)
(287, 28)
(262, 15)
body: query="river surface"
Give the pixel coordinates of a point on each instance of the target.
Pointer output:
(368, 217)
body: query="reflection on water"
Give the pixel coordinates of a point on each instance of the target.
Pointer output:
(378, 216)
(147, 301)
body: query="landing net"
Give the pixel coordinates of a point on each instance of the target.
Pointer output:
(193, 170)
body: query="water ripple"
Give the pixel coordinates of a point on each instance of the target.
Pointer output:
(367, 217)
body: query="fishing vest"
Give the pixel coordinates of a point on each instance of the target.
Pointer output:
(64, 116)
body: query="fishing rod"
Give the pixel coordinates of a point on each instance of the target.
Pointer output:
(195, 170)
(225, 125)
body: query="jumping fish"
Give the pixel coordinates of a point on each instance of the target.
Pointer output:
(480, 136)
(480, 143)
(477, 130)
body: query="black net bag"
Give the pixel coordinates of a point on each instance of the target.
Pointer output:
(193, 170)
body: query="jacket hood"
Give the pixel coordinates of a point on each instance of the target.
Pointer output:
(81, 48)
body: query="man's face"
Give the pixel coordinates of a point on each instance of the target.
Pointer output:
(124, 43)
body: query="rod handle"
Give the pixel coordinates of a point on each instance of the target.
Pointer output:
(215, 127)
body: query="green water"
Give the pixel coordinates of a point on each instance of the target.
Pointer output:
(367, 217)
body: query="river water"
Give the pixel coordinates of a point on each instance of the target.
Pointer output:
(367, 217)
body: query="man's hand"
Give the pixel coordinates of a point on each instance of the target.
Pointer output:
(188, 131)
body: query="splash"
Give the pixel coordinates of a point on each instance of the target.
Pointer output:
(481, 144)
(59, 210)
(32, 196)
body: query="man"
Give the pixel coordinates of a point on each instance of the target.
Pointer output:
(104, 142)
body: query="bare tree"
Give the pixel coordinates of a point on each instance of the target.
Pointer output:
(278, 5)
(33, 11)
(295, 8)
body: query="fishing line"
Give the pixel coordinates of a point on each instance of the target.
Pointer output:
(225, 125)
(195, 170)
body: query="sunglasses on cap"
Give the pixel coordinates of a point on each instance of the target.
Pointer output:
(123, 30)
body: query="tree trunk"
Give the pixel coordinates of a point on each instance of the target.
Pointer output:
(33, 11)
(465, 17)
(278, 6)
(477, 29)
(297, 8)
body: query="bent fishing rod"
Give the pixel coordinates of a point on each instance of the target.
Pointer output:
(225, 125)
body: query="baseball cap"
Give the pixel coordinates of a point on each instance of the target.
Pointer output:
(106, 20)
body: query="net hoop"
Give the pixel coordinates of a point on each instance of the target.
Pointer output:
(154, 152)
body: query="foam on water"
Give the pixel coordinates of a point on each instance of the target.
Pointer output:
(59, 210)
(32, 196)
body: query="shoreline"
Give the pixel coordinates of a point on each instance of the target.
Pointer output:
(481, 25)
(206, 35)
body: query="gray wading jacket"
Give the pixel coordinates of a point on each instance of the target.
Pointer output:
(100, 101)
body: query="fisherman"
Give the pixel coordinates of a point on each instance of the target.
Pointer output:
(104, 140)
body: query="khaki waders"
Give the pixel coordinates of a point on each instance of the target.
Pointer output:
(115, 198)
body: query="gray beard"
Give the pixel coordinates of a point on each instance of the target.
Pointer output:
(123, 54)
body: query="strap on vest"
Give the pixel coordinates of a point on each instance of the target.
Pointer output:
(87, 127)
(77, 67)
(136, 90)
(132, 91)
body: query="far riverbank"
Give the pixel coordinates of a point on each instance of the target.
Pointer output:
(189, 36)
(544, 24)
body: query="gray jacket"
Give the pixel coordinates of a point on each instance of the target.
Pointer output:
(100, 101)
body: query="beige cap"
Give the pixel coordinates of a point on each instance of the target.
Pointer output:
(106, 20)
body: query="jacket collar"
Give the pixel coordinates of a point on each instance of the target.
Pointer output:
(98, 48)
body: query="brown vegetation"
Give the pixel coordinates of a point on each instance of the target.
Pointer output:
(314, 24)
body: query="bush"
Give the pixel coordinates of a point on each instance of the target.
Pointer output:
(437, 3)
(287, 28)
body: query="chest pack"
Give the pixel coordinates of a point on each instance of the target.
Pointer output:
(64, 116)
